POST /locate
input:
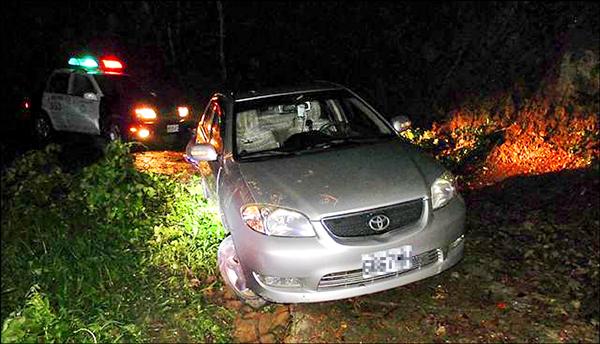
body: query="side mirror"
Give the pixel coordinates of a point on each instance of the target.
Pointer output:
(401, 123)
(90, 96)
(202, 152)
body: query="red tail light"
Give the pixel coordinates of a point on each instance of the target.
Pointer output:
(111, 65)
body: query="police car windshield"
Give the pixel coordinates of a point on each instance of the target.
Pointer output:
(119, 85)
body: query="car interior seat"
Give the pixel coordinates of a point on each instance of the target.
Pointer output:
(251, 136)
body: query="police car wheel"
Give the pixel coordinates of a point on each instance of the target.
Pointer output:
(113, 133)
(43, 128)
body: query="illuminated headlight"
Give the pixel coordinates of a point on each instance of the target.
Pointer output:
(145, 113)
(274, 281)
(442, 190)
(277, 221)
(183, 111)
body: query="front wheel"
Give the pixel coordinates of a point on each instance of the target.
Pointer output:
(113, 133)
(42, 128)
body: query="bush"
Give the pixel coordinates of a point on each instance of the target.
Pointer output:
(492, 140)
(88, 243)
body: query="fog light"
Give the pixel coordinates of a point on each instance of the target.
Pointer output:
(143, 133)
(456, 242)
(282, 282)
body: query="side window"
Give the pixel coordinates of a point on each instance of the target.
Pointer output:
(59, 83)
(204, 128)
(215, 135)
(81, 85)
(357, 117)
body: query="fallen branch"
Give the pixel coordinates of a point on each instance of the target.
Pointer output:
(383, 303)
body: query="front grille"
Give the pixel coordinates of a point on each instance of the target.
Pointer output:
(354, 277)
(357, 224)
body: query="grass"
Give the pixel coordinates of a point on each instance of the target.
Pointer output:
(105, 254)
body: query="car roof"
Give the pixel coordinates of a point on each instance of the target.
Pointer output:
(271, 91)
(83, 71)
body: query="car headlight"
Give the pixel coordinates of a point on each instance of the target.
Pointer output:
(442, 190)
(183, 111)
(145, 113)
(277, 221)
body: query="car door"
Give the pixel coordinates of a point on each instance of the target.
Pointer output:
(55, 99)
(84, 109)
(209, 131)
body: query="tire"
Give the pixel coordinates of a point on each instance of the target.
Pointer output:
(113, 133)
(42, 128)
(110, 130)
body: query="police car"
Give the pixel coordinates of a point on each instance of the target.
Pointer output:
(94, 96)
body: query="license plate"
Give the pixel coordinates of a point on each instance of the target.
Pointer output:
(387, 261)
(172, 128)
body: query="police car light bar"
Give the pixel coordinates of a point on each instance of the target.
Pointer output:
(85, 62)
(90, 63)
(111, 64)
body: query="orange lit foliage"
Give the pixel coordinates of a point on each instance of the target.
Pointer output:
(539, 138)
(543, 140)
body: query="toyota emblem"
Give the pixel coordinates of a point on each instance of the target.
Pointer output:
(379, 223)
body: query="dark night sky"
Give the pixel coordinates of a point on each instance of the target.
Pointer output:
(405, 56)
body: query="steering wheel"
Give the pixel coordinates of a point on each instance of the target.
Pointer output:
(325, 128)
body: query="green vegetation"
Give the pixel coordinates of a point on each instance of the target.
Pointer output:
(105, 254)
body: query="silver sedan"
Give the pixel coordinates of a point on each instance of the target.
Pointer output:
(322, 198)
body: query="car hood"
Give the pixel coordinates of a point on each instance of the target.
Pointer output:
(342, 180)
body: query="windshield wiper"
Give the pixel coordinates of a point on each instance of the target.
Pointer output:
(341, 142)
(263, 154)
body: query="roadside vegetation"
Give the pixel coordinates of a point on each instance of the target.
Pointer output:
(106, 254)
(119, 251)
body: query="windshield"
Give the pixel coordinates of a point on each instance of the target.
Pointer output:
(119, 86)
(302, 122)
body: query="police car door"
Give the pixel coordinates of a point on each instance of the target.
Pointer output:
(85, 104)
(55, 99)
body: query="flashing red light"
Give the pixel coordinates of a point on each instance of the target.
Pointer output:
(111, 64)
(26, 104)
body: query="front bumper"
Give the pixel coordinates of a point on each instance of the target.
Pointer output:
(310, 259)
(159, 131)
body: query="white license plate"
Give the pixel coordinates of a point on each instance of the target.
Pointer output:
(172, 128)
(387, 261)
